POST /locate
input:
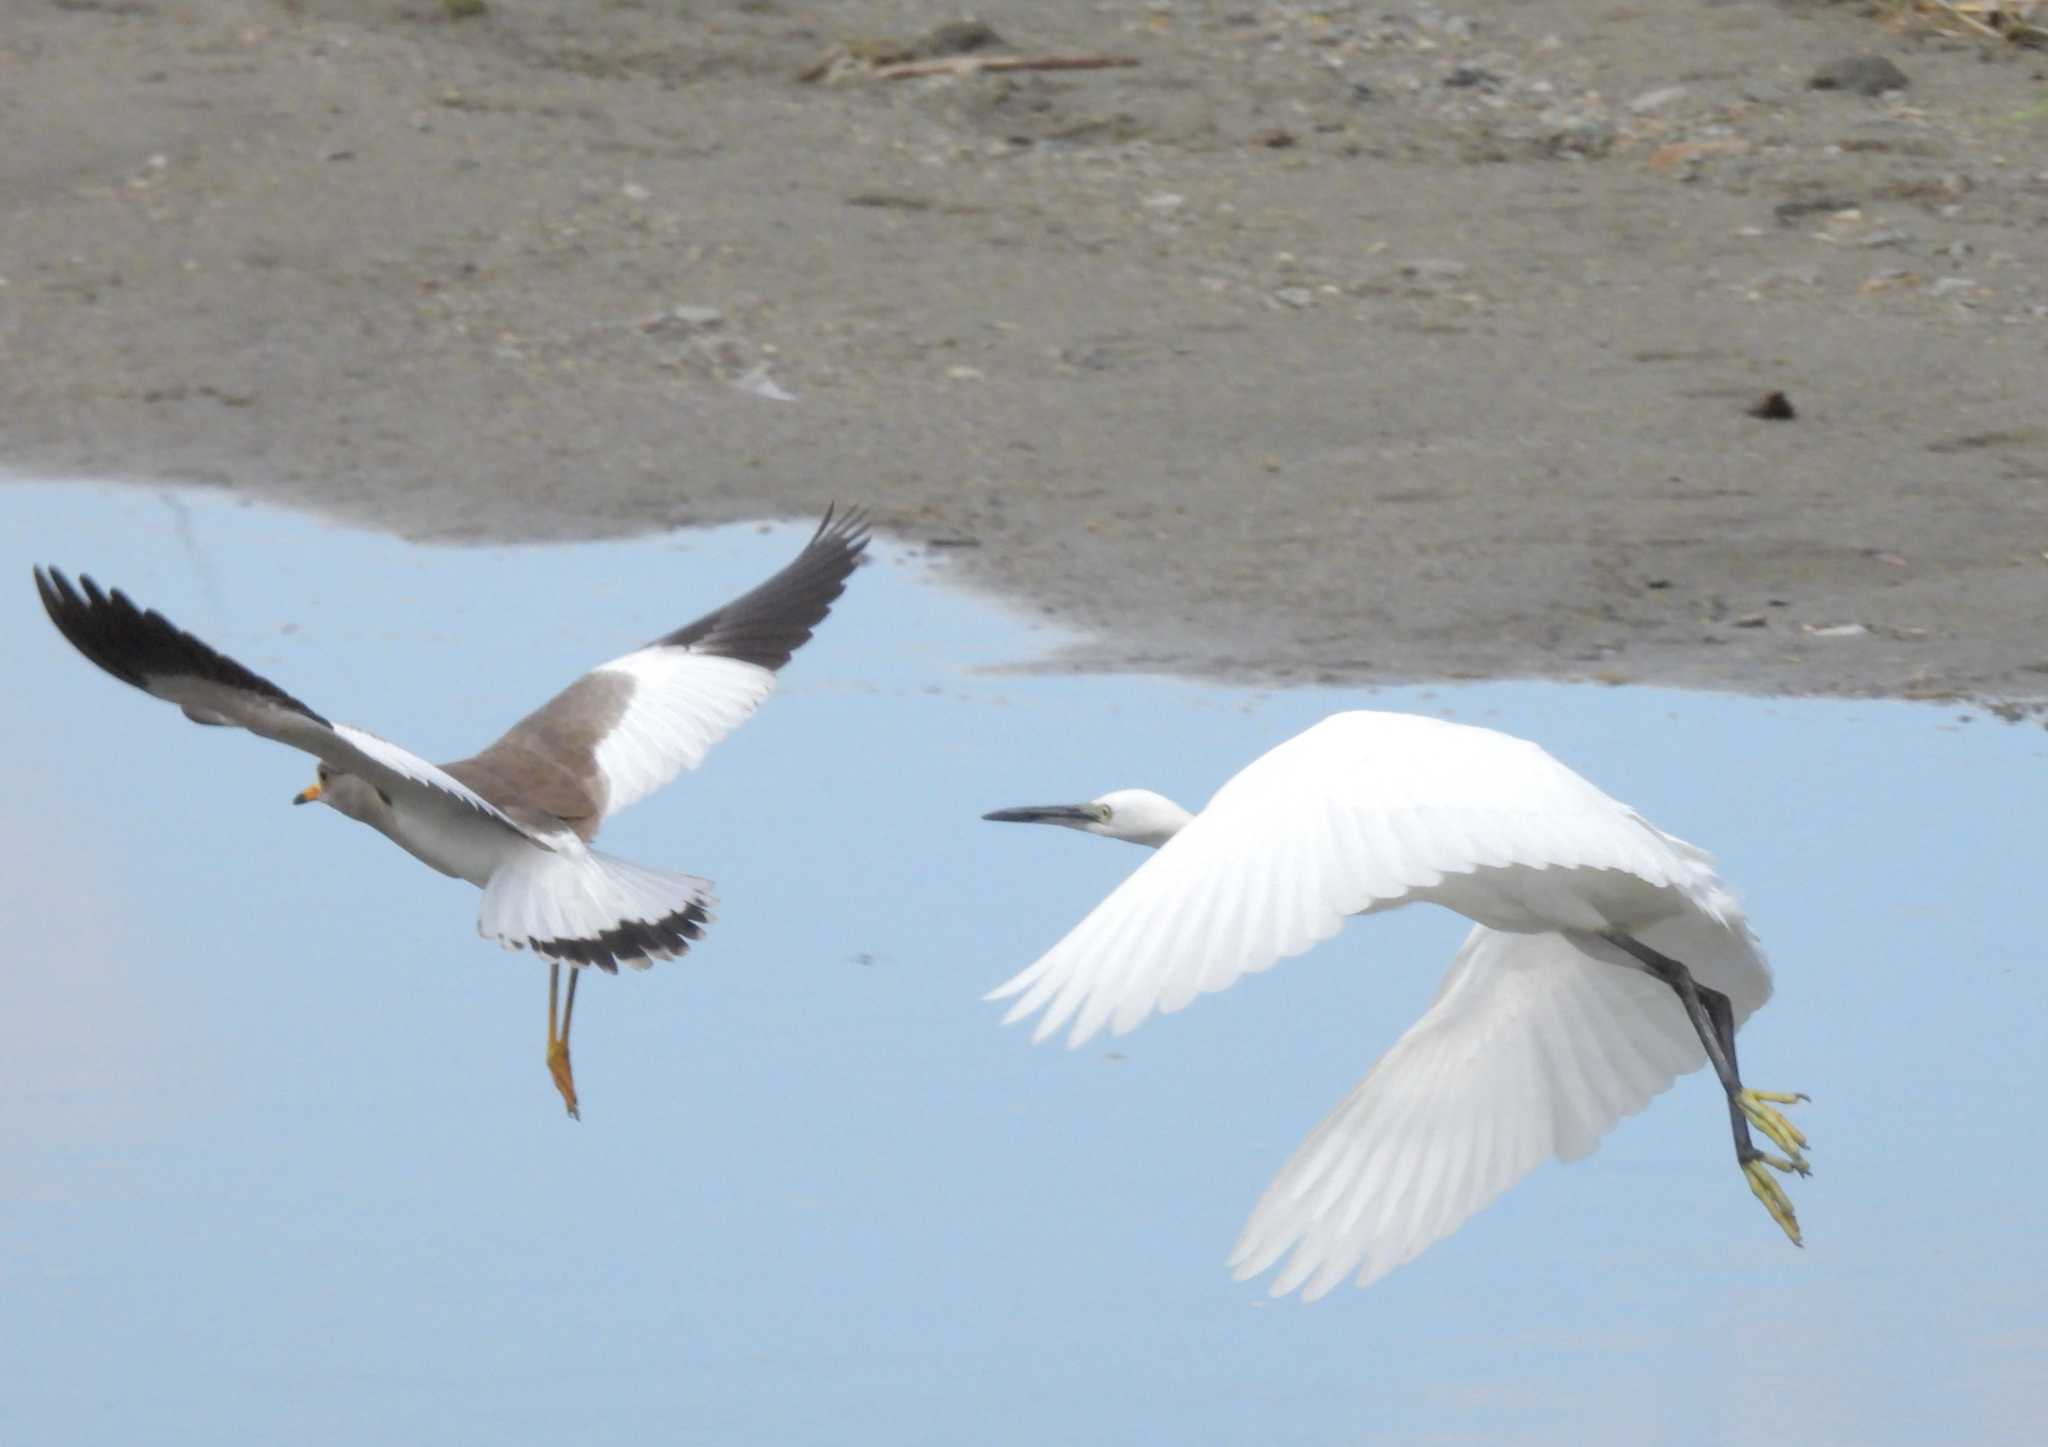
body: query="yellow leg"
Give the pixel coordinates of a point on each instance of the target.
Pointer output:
(558, 1045)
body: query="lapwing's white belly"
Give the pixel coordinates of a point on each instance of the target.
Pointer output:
(455, 840)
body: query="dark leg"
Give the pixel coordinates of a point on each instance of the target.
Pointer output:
(1723, 1016)
(1713, 1020)
(558, 1045)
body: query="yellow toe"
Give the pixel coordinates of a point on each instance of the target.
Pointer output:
(1767, 1190)
(1757, 1106)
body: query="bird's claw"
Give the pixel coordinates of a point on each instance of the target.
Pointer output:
(1767, 1190)
(565, 1080)
(1756, 1105)
(1794, 1165)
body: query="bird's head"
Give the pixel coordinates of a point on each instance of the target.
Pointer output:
(317, 790)
(1137, 816)
(351, 795)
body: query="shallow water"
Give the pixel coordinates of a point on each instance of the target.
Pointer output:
(279, 1159)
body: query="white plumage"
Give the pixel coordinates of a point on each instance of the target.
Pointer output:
(682, 703)
(577, 892)
(1546, 1031)
(431, 791)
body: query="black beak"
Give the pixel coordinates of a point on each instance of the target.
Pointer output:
(1046, 814)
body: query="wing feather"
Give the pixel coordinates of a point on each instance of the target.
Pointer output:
(631, 725)
(1537, 1047)
(148, 651)
(1362, 811)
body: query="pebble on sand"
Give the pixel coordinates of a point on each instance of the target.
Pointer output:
(1859, 75)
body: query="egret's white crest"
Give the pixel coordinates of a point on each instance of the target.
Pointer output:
(516, 820)
(1608, 960)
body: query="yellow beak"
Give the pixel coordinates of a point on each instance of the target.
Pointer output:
(307, 795)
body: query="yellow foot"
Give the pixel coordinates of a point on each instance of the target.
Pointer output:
(558, 1067)
(1766, 1188)
(1756, 1104)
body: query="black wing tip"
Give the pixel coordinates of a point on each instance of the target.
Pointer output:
(766, 625)
(134, 643)
(60, 595)
(89, 618)
(837, 548)
(850, 529)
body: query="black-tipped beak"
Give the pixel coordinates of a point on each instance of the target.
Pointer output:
(1047, 814)
(307, 795)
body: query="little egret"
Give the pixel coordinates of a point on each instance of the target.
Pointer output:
(1608, 959)
(517, 819)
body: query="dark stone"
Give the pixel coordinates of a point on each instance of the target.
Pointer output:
(1859, 75)
(959, 37)
(1468, 76)
(1791, 213)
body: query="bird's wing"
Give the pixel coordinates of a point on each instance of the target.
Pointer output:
(1535, 1046)
(629, 726)
(1357, 813)
(145, 649)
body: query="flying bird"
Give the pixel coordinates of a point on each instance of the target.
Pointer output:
(516, 820)
(1608, 959)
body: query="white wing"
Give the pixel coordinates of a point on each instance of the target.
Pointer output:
(1360, 812)
(1533, 1048)
(681, 703)
(630, 726)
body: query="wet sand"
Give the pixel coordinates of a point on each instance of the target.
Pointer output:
(1360, 342)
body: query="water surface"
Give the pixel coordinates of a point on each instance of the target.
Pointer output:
(279, 1159)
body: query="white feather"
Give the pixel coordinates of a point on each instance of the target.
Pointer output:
(1534, 1047)
(1362, 812)
(537, 896)
(1542, 1035)
(682, 704)
(429, 780)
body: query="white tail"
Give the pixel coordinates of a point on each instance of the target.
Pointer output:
(593, 909)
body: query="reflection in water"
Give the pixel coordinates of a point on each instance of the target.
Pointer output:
(278, 1164)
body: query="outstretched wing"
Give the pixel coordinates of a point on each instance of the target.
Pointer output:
(1363, 811)
(1536, 1046)
(147, 650)
(629, 726)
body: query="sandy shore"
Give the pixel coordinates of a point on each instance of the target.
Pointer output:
(1351, 341)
